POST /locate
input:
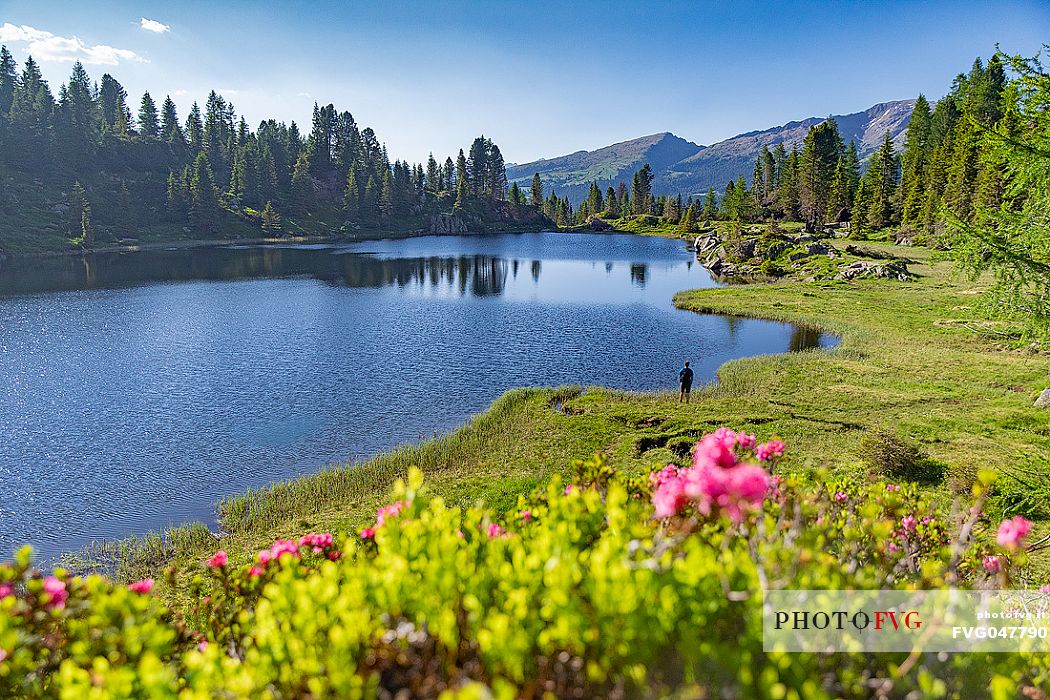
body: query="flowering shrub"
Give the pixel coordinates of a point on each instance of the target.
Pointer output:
(617, 586)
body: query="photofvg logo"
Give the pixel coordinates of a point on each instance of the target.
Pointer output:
(882, 621)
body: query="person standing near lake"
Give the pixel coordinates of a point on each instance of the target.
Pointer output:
(685, 381)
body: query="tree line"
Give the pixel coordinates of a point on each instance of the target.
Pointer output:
(194, 171)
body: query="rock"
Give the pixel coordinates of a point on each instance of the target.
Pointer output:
(905, 237)
(1044, 399)
(860, 269)
(817, 249)
(596, 224)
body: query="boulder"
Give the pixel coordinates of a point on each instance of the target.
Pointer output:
(861, 269)
(1044, 399)
(596, 224)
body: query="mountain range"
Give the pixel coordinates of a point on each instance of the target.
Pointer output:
(681, 166)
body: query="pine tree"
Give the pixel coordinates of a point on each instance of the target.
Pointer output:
(594, 199)
(302, 183)
(821, 151)
(612, 204)
(516, 196)
(914, 162)
(203, 199)
(8, 78)
(536, 191)
(642, 190)
(271, 221)
(149, 125)
(710, 205)
(170, 130)
(32, 106)
(882, 178)
(688, 223)
(195, 128)
(80, 228)
(352, 195)
(433, 178)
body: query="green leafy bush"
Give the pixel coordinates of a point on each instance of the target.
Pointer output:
(581, 592)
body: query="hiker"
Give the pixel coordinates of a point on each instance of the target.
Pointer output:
(685, 380)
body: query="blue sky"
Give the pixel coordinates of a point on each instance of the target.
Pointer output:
(540, 78)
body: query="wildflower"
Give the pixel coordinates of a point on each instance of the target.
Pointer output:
(218, 560)
(368, 533)
(390, 511)
(265, 556)
(526, 515)
(892, 546)
(3, 654)
(143, 586)
(284, 547)
(926, 520)
(909, 522)
(497, 532)
(316, 542)
(841, 497)
(1013, 531)
(256, 571)
(669, 497)
(1044, 589)
(333, 555)
(56, 591)
(716, 449)
(570, 489)
(6, 589)
(991, 564)
(769, 450)
(893, 487)
(203, 645)
(746, 440)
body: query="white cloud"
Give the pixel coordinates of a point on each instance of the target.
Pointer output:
(45, 46)
(152, 25)
(181, 93)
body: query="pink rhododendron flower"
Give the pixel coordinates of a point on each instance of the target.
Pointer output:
(6, 589)
(333, 555)
(892, 546)
(265, 556)
(1044, 589)
(909, 523)
(716, 449)
(494, 531)
(256, 571)
(926, 520)
(769, 450)
(56, 591)
(143, 586)
(1013, 531)
(218, 560)
(368, 533)
(892, 487)
(317, 542)
(841, 497)
(991, 564)
(526, 515)
(390, 511)
(203, 645)
(668, 472)
(3, 654)
(284, 547)
(669, 497)
(570, 489)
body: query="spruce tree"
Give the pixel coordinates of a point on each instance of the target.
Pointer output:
(195, 128)
(821, 151)
(536, 191)
(170, 130)
(271, 221)
(710, 205)
(149, 124)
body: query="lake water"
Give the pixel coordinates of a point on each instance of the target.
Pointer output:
(137, 389)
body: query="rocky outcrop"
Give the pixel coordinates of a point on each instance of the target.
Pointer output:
(596, 224)
(764, 255)
(861, 269)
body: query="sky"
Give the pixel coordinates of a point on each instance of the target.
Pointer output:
(540, 78)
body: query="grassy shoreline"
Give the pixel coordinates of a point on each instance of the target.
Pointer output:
(910, 367)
